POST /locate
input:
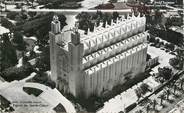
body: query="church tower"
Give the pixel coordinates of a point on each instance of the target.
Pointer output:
(53, 35)
(75, 49)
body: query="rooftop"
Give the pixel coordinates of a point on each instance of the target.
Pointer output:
(101, 34)
(169, 14)
(178, 29)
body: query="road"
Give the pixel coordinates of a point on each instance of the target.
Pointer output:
(51, 97)
(174, 8)
(168, 105)
(69, 11)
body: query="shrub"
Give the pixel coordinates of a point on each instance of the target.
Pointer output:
(8, 56)
(175, 62)
(144, 88)
(17, 73)
(12, 15)
(34, 91)
(7, 24)
(165, 73)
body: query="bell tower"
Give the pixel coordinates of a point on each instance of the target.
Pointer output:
(76, 54)
(53, 35)
(55, 25)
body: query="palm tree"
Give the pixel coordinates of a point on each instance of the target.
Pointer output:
(175, 87)
(5, 5)
(180, 54)
(167, 94)
(162, 97)
(138, 93)
(165, 73)
(32, 1)
(154, 104)
(181, 83)
(148, 108)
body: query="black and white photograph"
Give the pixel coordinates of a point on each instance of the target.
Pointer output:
(91, 56)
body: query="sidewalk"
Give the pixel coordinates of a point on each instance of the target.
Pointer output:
(168, 105)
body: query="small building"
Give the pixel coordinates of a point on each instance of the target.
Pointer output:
(171, 18)
(175, 34)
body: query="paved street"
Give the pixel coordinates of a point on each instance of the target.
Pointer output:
(178, 108)
(49, 98)
(167, 106)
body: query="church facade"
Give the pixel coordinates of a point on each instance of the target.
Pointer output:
(93, 63)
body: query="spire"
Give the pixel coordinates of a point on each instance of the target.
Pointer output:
(55, 18)
(106, 24)
(133, 14)
(122, 17)
(138, 14)
(88, 31)
(55, 25)
(75, 29)
(94, 29)
(75, 36)
(117, 20)
(112, 22)
(128, 15)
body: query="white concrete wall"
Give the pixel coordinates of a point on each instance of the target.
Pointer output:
(112, 75)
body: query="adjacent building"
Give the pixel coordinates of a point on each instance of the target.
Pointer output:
(93, 63)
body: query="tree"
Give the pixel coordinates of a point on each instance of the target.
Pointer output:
(144, 88)
(5, 3)
(43, 2)
(106, 18)
(154, 104)
(138, 93)
(147, 108)
(157, 16)
(165, 73)
(7, 24)
(32, 14)
(175, 63)
(84, 20)
(113, 1)
(12, 15)
(115, 15)
(181, 83)
(180, 55)
(175, 87)
(43, 62)
(8, 53)
(40, 77)
(167, 92)
(83, 16)
(32, 54)
(32, 1)
(18, 41)
(23, 15)
(152, 39)
(157, 41)
(17, 73)
(98, 14)
(171, 46)
(162, 97)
